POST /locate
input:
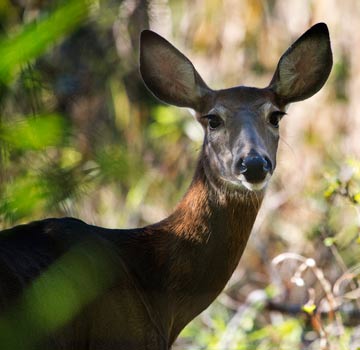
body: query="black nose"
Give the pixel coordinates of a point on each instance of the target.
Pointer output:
(255, 167)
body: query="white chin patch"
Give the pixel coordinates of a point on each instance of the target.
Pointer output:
(258, 186)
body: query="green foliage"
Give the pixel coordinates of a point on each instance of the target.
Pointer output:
(241, 330)
(34, 38)
(33, 133)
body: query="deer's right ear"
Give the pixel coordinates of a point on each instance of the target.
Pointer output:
(304, 68)
(168, 74)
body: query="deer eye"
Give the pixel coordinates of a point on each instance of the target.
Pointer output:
(275, 117)
(214, 121)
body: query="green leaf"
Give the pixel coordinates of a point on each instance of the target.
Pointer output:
(356, 197)
(309, 308)
(35, 133)
(22, 197)
(36, 37)
(332, 188)
(329, 241)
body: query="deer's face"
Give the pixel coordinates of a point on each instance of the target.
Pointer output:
(240, 123)
(241, 137)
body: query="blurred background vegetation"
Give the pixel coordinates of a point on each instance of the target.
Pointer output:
(81, 136)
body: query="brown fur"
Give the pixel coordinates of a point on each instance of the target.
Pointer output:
(201, 243)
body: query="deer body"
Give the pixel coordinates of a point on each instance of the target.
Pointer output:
(151, 281)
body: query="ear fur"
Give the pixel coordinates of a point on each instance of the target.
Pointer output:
(168, 74)
(304, 68)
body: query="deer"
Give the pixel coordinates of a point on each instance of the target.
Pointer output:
(65, 284)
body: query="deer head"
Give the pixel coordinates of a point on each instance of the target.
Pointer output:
(241, 123)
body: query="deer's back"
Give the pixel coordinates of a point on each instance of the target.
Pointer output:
(64, 285)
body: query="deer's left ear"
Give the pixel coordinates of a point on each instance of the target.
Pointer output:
(304, 68)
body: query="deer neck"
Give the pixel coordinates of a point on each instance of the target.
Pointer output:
(188, 257)
(202, 242)
(213, 215)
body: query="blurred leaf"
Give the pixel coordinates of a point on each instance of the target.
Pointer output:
(332, 187)
(34, 133)
(70, 157)
(62, 183)
(118, 163)
(271, 291)
(341, 75)
(309, 308)
(357, 198)
(138, 192)
(22, 197)
(355, 165)
(168, 122)
(329, 241)
(36, 37)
